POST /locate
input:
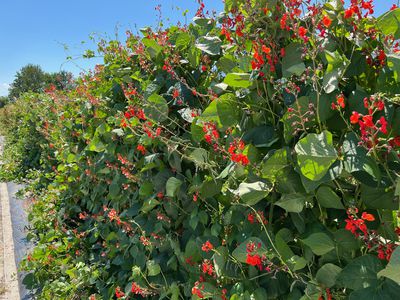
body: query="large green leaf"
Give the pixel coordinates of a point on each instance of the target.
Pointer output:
(334, 71)
(393, 62)
(172, 186)
(293, 202)
(320, 243)
(239, 80)
(315, 155)
(209, 44)
(292, 63)
(252, 193)
(379, 198)
(261, 136)
(223, 111)
(327, 274)
(389, 23)
(156, 108)
(353, 153)
(392, 270)
(360, 273)
(386, 291)
(328, 198)
(274, 163)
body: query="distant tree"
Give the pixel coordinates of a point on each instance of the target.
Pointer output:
(61, 80)
(3, 101)
(30, 78)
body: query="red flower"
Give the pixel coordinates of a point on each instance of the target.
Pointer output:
(250, 218)
(119, 293)
(340, 101)
(197, 291)
(266, 50)
(175, 94)
(383, 123)
(141, 148)
(368, 121)
(136, 289)
(254, 260)
(207, 246)
(302, 31)
(207, 267)
(349, 13)
(354, 117)
(394, 6)
(326, 21)
(204, 68)
(367, 217)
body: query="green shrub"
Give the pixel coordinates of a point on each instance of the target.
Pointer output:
(256, 159)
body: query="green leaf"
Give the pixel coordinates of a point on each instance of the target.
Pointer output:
(152, 47)
(315, 155)
(96, 145)
(293, 202)
(261, 136)
(156, 108)
(346, 241)
(172, 186)
(252, 193)
(239, 80)
(200, 157)
(209, 44)
(389, 23)
(148, 205)
(393, 62)
(386, 291)
(327, 274)
(223, 111)
(295, 262)
(292, 63)
(320, 243)
(274, 163)
(360, 273)
(336, 66)
(353, 153)
(183, 40)
(392, 270)
(379, 198)
(328, 198)
(153, 269)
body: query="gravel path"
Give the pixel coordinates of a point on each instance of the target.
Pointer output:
(13, 244)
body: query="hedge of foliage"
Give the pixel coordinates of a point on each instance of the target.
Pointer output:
(253, 155)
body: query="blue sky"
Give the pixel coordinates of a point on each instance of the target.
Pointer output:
(35, 31)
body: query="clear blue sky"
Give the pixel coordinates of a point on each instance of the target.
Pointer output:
(35, 31)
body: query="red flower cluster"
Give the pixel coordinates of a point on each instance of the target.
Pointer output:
(370, 129)
(119, 293)
(252, 217)
(135, 112)
(238, 157)
(198, 291)
(371, 239)
(356, 8)
(251, 258)
(355, 224)
(340, 102)
(141, 149)
(211, 132)
(137, 290)
(207, 267)
(207, 246)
